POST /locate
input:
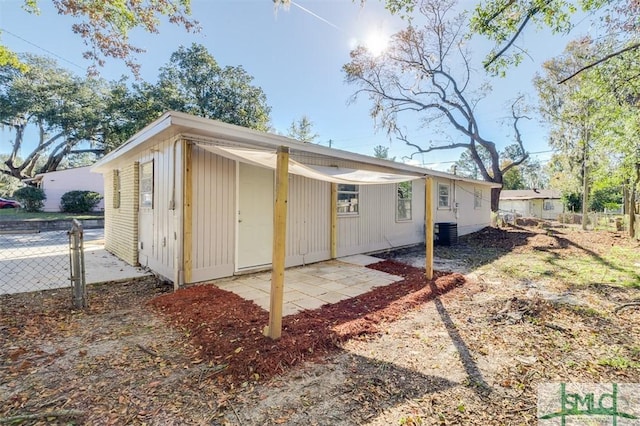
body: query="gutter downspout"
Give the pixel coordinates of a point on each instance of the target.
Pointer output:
(178, 220)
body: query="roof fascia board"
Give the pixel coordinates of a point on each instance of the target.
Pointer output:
(230, 132)
(144, 135)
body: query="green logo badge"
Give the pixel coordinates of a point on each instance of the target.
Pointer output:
(589, 404)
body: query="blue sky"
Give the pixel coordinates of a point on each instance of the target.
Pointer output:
(296, 57)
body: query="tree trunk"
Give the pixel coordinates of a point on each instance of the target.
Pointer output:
(632, 213)
(495, 199)
(632, 203)
(585, 186)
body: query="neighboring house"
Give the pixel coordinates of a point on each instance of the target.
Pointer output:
(193, 200)
(56, 184)
(540, 203)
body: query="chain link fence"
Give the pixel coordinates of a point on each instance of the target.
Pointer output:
(33, 261)
(600, 221)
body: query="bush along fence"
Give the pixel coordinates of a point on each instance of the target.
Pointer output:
(33, 261)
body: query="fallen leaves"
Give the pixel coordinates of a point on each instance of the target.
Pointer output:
(121, 363)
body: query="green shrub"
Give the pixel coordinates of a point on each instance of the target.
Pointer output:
(79, 201)
(31, 198)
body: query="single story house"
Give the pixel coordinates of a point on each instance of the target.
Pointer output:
(540, 203)
(193, 200)
(57, 183)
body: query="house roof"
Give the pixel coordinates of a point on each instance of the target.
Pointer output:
(38, 177)
(529, 194)
(174, 124)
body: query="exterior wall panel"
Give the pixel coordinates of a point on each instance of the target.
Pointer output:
(121, 223)
(214, 219)
(375, 227)
(160, 256)
(308, 221)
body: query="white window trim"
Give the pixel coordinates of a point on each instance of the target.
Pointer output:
(477, 198)
(117, 189)
(398, 200)
(448, 186)
(357, 193)
(147, 206)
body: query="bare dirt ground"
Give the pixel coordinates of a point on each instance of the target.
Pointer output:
(457, 350)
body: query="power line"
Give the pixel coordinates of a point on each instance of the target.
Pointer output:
(455, 161)
(4, 30)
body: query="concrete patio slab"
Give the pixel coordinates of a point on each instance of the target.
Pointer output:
(360, 259)
(311, 286)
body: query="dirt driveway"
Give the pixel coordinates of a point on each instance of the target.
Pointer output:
(457, 350)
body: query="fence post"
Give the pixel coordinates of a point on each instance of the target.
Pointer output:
(76, 266)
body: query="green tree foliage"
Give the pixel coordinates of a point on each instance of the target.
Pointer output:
(32, 199)
(426, 71)
(302, 130)
(594, 117)
(572, 201)
(605, 198)
(382, 152)
(105, 26)
(79, 201)
(194, 83)
(66, 111)
(503, 21)
(8, 183)
(513, 179)
(77, 118)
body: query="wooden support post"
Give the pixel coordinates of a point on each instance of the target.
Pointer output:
(274, 329)
(187, 212)
(428, 226)
(334, 221)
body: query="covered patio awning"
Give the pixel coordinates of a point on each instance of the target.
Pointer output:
(323, 173)
(284, 165)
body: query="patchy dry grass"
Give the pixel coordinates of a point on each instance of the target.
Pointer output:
(569, 257)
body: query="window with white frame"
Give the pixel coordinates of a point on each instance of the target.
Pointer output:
(348, 199)
(443, 196)
(146, 185)
(548, 205)
(477, 198)
(116, 189)
(404, 201)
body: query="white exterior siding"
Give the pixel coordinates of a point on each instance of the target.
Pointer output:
(308, 221)
(158, 238)
(520, 207)
(375, 226)
(469, 218)
(214, 215)
(56, 184)
(533, 208)
(462, 208)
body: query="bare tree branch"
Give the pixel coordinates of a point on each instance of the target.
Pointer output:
(601, 60)
(513, 39)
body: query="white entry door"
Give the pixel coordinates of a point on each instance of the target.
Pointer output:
(255, 216)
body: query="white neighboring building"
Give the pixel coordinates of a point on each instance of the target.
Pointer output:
(540, 203)
(56, 184)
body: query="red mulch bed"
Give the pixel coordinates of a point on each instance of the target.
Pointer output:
(227, 329)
